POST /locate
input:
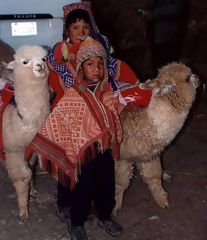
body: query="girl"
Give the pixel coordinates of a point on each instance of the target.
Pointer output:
(78, 24)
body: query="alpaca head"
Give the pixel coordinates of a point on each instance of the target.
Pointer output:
(29, 58)
(171, 76)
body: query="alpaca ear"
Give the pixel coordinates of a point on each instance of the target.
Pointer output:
(2, 83)
(163, 90)
(149, 84)
(10, 65)
(4, 64)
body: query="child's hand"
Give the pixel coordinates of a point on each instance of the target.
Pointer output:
(64, 51)
(66, 56)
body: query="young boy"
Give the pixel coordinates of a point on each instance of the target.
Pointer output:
(96, 181)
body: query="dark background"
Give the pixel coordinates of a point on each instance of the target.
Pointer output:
(119, 21)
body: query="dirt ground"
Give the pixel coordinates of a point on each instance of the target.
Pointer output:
(142, 219)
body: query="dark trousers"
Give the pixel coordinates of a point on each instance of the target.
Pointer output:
(63, 196)
(96, 184)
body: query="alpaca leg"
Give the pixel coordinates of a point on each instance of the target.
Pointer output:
(151, 172)
(33, 161)
(123, 174)
(32, 190)
(166, 177)
(20, 175)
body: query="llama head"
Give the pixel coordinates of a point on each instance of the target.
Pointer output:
(171, 76)
(29, 58)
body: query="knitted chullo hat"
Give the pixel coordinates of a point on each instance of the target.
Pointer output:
(90, 48)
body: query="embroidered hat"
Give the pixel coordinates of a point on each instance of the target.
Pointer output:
(89, 48)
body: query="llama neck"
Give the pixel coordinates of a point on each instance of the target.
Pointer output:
(168, 113)
(180, 99)
(32, 99)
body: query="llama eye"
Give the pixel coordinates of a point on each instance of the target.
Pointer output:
(44, 59)
(188, 78)
(25, 61)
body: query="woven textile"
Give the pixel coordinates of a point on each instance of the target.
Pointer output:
(78, 120)
(71, 125)
(65, 71)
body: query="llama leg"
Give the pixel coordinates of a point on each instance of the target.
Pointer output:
(20, 176)
(151, 172)
(166, 176)
(123, 174)
(32, 190)
(33, 161)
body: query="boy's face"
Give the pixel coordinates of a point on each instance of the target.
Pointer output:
(93, 69)
(78, 31)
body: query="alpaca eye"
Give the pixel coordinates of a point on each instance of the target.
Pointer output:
(44, 59)
(188, 78)
(25, 61)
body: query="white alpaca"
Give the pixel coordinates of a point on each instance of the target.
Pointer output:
(147, 132)
(22, 122)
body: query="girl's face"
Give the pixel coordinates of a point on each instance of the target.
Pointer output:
(93, 69)
(78, 31)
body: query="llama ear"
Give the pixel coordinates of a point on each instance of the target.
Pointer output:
(163, 90)
(10, 65)
(4, 64)
(149, 84)
(2, 83)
